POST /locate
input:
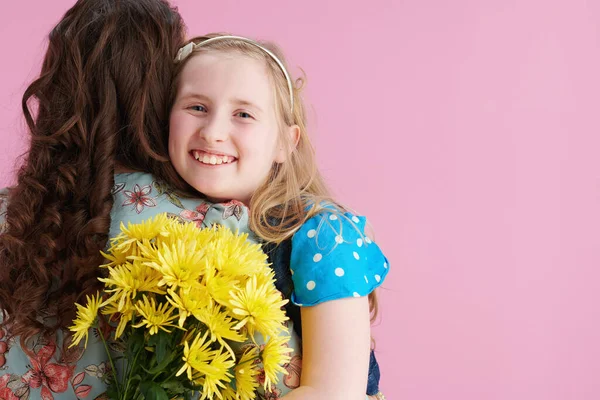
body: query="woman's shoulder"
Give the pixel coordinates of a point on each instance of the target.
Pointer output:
(139, 196)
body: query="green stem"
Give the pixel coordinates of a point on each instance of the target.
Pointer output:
(172, 375)
(112, 364)
(131, 372)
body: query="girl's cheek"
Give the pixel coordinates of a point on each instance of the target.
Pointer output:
(177, 123)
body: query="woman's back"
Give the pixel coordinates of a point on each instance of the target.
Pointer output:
(100, 102)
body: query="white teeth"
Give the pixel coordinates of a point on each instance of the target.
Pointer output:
(212, 159)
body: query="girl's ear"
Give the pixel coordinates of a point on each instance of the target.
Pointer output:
(284, 151)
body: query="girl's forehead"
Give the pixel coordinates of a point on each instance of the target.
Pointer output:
(223, 75)
(230, 55)
(225, 63)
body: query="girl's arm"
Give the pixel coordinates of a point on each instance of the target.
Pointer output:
(336, 339)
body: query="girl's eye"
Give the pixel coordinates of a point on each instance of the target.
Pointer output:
(242, 114)
(198, 108)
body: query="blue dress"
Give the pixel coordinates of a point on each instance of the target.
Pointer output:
(332, 258)
(332, 242)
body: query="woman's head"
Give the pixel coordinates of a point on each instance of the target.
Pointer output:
(100, 102)
(236, 131)
(105, 80)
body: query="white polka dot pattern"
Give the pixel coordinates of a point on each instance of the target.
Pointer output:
(332, 258)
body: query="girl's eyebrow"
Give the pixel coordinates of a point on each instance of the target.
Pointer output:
(242, 102)
(193, 96)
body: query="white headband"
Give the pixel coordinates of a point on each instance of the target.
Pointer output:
(186, 50)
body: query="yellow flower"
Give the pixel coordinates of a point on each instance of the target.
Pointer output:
(145, 231)
(219, 324)
(235, 255)
(85, 319)
(116, 257)
(155, 318)
(196, 356)
(220, 286)
(188, 232)
(179, 264)
(126, 280)
(215, 284)
(189, 301)
(265, 277)
(216, 374)
(229, 393)
(274, 356)
(260, 308)
(121, 249)
(245, 375)
(125, 315)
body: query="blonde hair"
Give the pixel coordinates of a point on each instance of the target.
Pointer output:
(294, 189)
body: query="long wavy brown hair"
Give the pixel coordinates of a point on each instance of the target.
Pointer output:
(101, 101)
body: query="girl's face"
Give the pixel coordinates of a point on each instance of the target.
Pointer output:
(223, 137)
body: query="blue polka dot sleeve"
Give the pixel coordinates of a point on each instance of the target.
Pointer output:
(332, 259)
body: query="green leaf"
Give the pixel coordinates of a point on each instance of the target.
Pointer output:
(153, 391)
(153, 340)
(163, 346)
(162, 365)
(135, 343)
(112, 392)
(173, 387)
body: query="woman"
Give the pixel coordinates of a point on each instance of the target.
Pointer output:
(101, 101)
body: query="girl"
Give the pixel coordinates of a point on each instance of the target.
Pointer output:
(238, 133)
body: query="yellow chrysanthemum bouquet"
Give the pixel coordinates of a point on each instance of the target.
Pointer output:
(184, 298)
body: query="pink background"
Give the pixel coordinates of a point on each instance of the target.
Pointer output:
(468, 132)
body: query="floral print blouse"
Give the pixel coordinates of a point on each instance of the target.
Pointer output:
(50, 370)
